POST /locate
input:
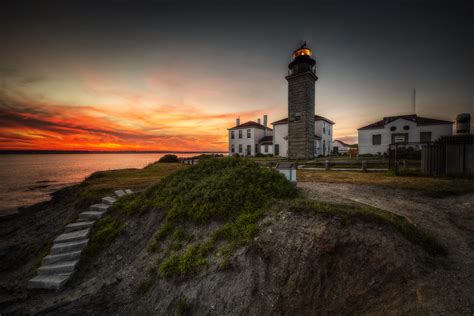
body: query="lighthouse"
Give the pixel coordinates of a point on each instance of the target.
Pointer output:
(301, 94)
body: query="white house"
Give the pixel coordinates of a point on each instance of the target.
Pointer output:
(244, 139)
(251, 137)
(405, 129)
(339, 147)
(323, 131)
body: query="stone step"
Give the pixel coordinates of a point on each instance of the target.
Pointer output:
(128, 191)
(78, 226)
(88, 215)
(109, 200)
(120, 193)
(72, 236)
(49, 282)
(67, 256)
(99, 207)
(71, 246)
(58, 268)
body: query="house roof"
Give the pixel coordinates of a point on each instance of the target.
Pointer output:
(413, 118)
(250, 124)
(316, 118)
(267, 140)
(345, 144)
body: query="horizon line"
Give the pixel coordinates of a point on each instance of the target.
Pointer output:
(48, 151)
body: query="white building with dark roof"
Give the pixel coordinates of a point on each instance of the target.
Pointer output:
(404, 129)
(340, 147)
(244, 139)
(251, 138)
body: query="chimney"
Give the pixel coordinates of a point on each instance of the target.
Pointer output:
(259, 121)
(463, 123)
(237, 121)
(265, 120)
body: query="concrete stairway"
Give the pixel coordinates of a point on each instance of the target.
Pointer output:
(57, 267)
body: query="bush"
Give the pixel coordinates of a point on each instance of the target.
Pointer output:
(407, 153)
(168, 159)
(218, 189)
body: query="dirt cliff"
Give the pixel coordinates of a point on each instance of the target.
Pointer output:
(300, 263)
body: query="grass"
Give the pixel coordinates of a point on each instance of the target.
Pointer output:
(228, 191)
(430, 186)
(104, 233)
(351, 213)
(182, 307)
(102, 183)
(233, 195)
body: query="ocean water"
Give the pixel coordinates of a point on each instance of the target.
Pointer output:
(29, 179)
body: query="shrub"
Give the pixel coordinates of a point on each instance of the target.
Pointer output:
(182, 307)
(164, 231)
(170, 266)
(168, 159)
(218, 189)
(231, 191)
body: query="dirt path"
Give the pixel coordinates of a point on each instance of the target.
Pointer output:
(451, 287)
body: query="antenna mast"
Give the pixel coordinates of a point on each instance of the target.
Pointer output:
(414, 100)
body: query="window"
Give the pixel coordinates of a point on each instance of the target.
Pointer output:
(232, 149)
(324, 147)
(240, 133)
(376, 139)
(266, 148)
(324, 128)
(393, 128)
(425, 137)
(249, 150)
(240, 148)
(249, 133)
(406, 127)
(297, 116)
(329, 129)
(399, 138)
(232, 135)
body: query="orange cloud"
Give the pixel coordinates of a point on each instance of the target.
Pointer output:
(34, 125)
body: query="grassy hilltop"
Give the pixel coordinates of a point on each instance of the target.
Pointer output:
(213, 208)
(230, 236)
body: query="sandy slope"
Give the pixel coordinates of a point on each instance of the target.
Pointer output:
(450, 219)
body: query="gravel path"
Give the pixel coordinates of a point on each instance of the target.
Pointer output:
(450, 288)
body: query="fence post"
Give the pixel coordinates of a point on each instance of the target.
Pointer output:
(364, 165)
(326, 165)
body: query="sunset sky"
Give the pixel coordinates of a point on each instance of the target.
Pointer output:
(133, 75)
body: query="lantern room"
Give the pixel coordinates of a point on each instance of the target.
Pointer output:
(302, 61)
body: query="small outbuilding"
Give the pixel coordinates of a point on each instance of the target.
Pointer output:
(288, 169)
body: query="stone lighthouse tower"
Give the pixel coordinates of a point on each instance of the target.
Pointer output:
(301, 85)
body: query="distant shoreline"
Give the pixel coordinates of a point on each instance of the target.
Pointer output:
(29, 152)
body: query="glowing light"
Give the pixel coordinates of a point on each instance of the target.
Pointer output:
(302, 52)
